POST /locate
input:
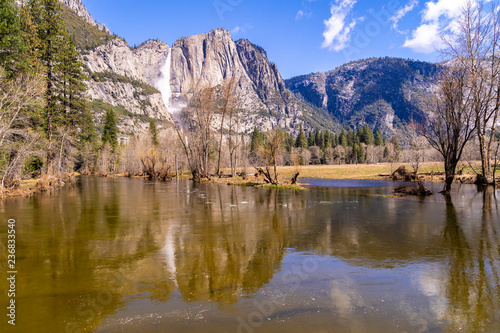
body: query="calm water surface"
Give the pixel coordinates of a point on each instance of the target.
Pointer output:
(127, 255)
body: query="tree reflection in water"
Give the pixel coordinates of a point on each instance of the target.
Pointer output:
(472, 288)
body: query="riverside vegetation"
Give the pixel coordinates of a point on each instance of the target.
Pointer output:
(49, 128)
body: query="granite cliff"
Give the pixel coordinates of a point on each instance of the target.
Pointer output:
(156, 80)
(382, 92)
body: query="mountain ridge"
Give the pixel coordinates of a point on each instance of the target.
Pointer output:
(381, 92)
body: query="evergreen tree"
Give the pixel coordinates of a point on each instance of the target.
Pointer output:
(360, 134)
(335, 140)
(110, 133)
(87, 127)
(256, 142)
(351, 137)
(310, 139)
(289, 142)
(153, 132)
(51, 34)
(301, 140)
(379, 140)
(31, 57)
(343, 139)
(317, 138)
(361, 154)
(386, 152)
(328, 140)
(11, 39)
(369, 138)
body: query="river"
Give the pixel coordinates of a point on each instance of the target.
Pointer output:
(129, 255)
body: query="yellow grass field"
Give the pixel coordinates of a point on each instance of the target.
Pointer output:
(365, 171)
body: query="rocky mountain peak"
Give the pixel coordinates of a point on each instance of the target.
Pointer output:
(81, 11)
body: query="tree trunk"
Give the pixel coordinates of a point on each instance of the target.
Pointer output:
(450, 170)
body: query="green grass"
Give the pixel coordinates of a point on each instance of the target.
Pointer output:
(284, 187)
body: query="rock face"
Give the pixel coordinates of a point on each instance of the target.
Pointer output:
(80, 10)
(143, 63)
(195, 62)
(381, 92)
(140, 65)
(209, 59)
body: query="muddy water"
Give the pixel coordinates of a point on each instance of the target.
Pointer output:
(127, 255)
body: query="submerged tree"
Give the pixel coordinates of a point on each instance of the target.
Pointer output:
(270, 153)
(197, 134)
(475, 47)
(451, 123)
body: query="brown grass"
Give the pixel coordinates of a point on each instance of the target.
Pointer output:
(429, 172)
(30, 187)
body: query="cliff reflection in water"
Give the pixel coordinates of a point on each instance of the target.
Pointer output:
(110, 249)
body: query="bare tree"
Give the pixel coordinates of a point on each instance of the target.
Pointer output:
(227, 106)
(417, 145)
(475, 48)
(269, 155)
(196, 132)
(450, 123)
(18, 97)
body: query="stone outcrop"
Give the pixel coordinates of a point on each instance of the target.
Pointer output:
(80, 10)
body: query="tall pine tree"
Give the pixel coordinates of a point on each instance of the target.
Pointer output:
(379, 140)
(11, 39)
(110, 133)
(301, 140)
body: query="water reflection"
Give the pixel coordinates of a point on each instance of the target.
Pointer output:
(126, 254)
(472, 281)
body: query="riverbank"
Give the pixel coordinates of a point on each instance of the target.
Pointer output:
(428, 172)
(30, 187)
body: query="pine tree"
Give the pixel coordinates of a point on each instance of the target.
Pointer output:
(343, 139)
(361, 154)
(11, 41)
(301, 140)
(256, 141)
(289, 142)
(31, 57)
(110, 133)
(51, 34)
(386, 152)
(153, 131)
(317, 138)
(369, 138)
(327, 140)
(310, 139)
(335, 140)
(351, 137)
(379, 140)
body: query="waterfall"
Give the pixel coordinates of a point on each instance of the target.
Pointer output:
(164, 82)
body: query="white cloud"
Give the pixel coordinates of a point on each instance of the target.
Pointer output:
(337, 32)
(426, 38)
(450, 9)
(438, 18)
(301, 14)
(241, 29)
(402, 13)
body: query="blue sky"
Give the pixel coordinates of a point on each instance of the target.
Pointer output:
(300, 36)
